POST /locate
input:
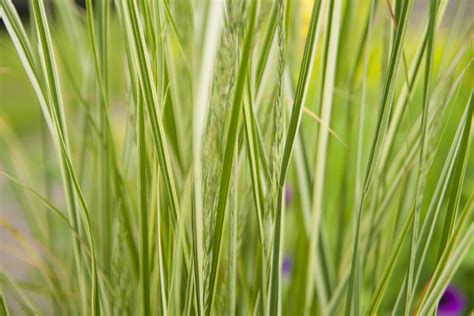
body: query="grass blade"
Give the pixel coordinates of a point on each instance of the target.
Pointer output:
(421, 180)
(229, 157)
(384, 110)
(329, 68)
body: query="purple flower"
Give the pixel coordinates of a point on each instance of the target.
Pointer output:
(287, 266)
(452, 302)
(288, 195)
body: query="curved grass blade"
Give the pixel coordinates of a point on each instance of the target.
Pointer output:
(50, 100)
(4, 310)
(22, 299)
(52, 86)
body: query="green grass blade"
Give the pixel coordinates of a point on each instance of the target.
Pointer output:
(212, 33)
(147, 84)
(229, 157)
(457, 247)
(4, 310)
(384, 110)
(329, 68)
(294, 123)
(458, 175)
(301, 89)
(389, 268)
(142, 191)
(421, 180)
(54, 114)
(253, 155)
(18, 293)
(275, 160)
(267, 45)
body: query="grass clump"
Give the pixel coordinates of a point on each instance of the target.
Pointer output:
(236, 157)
